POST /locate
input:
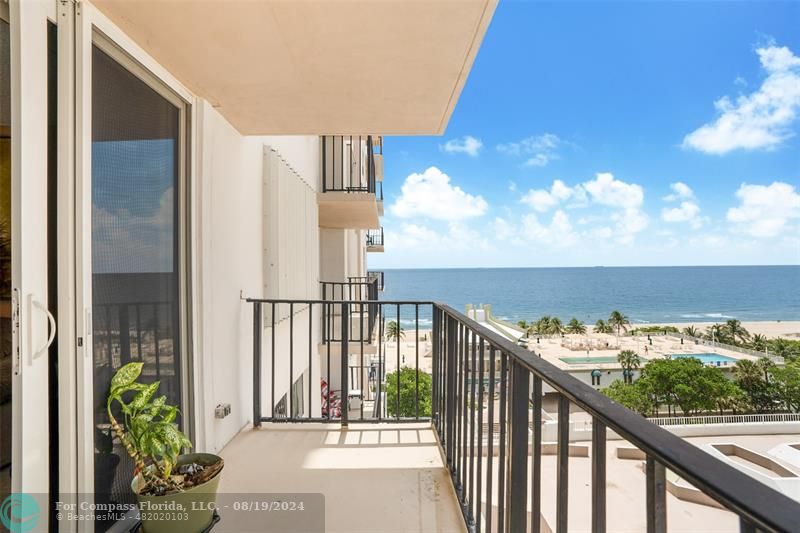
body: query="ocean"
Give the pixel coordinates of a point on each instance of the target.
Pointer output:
(645, 294)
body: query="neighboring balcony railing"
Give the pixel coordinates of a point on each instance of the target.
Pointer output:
(496, 463)
(361, 382)
(375, 239)
(379, 275)
(348, 164)
(362, 318)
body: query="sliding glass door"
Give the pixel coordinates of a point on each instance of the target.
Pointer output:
(134, 288)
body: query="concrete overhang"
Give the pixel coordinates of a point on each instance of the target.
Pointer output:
(279, 67)
(344, 210)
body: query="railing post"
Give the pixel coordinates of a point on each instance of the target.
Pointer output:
(257, 364)
(435, 373)
(518, 448)
(450, 394)
(655, 474)
(345, 363)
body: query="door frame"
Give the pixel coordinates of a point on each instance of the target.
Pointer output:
(91, 27)
(31, 328)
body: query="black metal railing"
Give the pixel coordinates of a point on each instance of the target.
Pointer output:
(291, 352)
(495, 460)
(379, 275)
(358, 289)
(375, 237)
(465, 353)
(348, 164)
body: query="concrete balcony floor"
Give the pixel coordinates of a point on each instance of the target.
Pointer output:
(375, 477)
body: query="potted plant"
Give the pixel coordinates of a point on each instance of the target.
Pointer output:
(163, 479)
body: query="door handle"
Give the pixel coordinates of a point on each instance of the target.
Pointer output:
(51, 326)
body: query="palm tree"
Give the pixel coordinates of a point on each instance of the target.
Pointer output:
(765, 364)
(542, 326)
(737, 331)
(575, 326)
(691, 331)
(748, 377)
(555, 327)
(601, 326)
(618, 321)
(717, 333)
(394, 331)
(759, 343)
(522, 324)
(629, 361)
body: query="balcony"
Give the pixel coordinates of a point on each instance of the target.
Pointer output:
(375, 240)
(365, 441)
(375, 477)
(379, 275)
(362, 317)
(349, 197)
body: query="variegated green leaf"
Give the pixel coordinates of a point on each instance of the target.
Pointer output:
(126, 375)
(143, 396)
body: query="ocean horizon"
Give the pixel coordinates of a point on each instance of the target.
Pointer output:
(684, 294)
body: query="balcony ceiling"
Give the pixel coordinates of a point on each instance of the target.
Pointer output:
(315, 66)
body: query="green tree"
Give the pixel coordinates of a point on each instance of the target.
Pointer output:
(541, 326)
(691, 331)
(408, 392)
(750, 378)
(576, 327)
(737, 332)
(718, 333)
(556, 326)
(788, 349)
(758, 343)
(394, 331)
(629, 361)
(618, 321)
(601, 326)
(523, 325)
(786, 380)
(766, 365)
(631, 396)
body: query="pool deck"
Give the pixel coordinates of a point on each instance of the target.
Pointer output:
(606, 347)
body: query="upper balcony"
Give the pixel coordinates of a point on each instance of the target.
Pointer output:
(350, 197)
(449, 417)
(375, 240)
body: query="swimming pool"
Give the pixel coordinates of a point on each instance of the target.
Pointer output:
(707, 358)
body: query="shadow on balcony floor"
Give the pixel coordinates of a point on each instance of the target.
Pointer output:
(375, 477)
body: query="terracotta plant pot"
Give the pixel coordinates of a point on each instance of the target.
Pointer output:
(198, 502)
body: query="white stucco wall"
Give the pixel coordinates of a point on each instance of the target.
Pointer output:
(229, 261)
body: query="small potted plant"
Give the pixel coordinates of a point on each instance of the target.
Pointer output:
(163, 478)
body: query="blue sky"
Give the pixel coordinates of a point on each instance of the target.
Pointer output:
(638, 133)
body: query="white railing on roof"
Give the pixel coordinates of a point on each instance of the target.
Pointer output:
(725, 419)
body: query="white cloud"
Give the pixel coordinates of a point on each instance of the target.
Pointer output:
(687, 211)
(765, 210)
(760, 120)
(625, 200)
(538, 150)
(465, 145)
(680, 191)
(605, 189)
(416, 237)
(431, 195)
(543, 200)
(557, 233)
(629, 222)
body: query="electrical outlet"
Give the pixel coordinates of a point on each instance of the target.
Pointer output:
(222, 410)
